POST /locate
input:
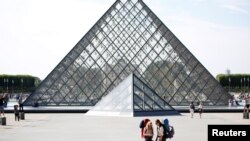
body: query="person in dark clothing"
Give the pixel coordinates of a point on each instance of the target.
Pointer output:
(6, 99)
(1, 105)
(20, 102)
(191, 109)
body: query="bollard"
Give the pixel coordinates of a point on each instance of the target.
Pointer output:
(245, 115)
(2, 120)
(22, 115)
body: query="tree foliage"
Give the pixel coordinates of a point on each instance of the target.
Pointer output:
(234, 82)
(18, 83)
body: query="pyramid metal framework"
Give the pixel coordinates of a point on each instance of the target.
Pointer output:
(128, 38)
(132, 97)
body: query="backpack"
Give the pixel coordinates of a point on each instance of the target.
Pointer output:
(171, 132)
(192, 106)
(168, 130)
(142, 125)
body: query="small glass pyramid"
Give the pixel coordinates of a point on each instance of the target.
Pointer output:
(131, 98)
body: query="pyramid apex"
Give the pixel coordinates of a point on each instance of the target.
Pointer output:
(127, 0)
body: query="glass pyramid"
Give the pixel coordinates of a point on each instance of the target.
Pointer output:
(128, 38)
(131, 98)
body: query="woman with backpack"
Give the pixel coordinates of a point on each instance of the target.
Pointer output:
(142, 125)
(148, 131)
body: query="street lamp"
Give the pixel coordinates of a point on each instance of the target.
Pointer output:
(21, 87)
(241, 84)
(248, 85)
(7, 80)
(12, 87)
(229, 80)
(244, 84)
(4, 83)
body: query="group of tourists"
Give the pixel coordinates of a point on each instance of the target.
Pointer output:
(243, 98)
(4, 99)
(3, 104)
(163, 130)
(192, 109)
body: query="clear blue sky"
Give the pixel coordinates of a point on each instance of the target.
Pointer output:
(36, 34)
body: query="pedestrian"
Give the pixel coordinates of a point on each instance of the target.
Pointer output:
(148, 131)
(20, 102)
(247, 103)
(191, 109)
(6, 99)
(200, 109)
(16, 112)
(229, 102)
(160, 131)
(1, 105)
(142, 125)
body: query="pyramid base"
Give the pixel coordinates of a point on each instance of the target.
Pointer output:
(155, 113)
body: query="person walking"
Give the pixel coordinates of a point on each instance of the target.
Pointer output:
(200, 109)
(20, 102)
(148, 131)
(247, 103)
(191, 109)
(160, 131)
(142, 125)
(229, 102)
(6, 100)
(1, 105)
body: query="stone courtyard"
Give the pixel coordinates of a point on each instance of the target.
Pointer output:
(79, 127)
